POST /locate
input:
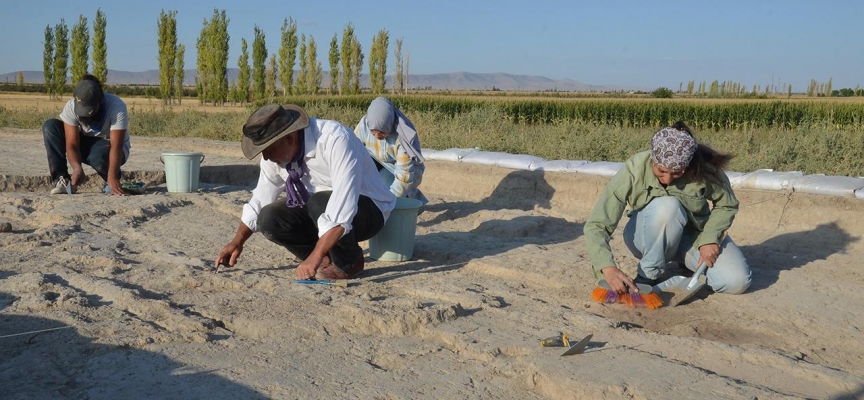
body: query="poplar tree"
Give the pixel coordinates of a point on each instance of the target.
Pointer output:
(242, 84)
(270, 76)
(259, 58)
(347, 59)
(167, 32)
(357, 68)
(287, 55)
(334, 65)
(212, 46)
(314, 74)
(302, 73)
(19, 80)
(61, 56)
(100, 48)
(179, 69)
(79, 46)
(398, 83)
(378, 61)
(828, 87)
(48, 61)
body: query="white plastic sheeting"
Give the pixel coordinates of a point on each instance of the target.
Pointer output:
(560, 165)
(844, 186)
(766, 179)
(504, 160)
(604, 168)
(450, 154)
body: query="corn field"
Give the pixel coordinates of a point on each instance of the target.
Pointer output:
(700, 115)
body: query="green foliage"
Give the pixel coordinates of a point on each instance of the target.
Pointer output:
(100, 48)
(348, 68)
(287, 55)
(167, 44)
(242, 83)
(212, 46)
(314, 73)
(378, 61)
(357, 67)
(301, 85)
(270, 79)
(398, 82)
(334, 65)
(48, 61)
(662, 93)
(80, 48)
(259, 57)
(61, 57)
(814, 146)
(179, 69)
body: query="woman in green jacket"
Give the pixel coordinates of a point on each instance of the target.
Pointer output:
(668, 190)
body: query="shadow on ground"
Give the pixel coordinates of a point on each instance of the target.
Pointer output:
(794, 250)
(519, 191)
(60, 363)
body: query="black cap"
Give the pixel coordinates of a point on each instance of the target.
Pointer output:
(88, 98)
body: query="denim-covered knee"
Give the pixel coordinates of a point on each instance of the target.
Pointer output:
(668, 208)
(732, 280)
(53, 128)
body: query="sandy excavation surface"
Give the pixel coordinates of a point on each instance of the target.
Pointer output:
(499, 264)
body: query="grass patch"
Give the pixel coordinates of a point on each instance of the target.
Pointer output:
(811, 148)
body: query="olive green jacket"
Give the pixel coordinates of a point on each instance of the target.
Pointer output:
(636, 185)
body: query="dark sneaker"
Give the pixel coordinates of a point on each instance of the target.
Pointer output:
(641, 280)
(330, 271)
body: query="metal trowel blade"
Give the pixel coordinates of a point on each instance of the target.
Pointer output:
(578, 348)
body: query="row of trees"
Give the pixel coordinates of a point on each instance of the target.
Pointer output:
(735, 89)
(258, 81)
(58, 47)
(730, 89)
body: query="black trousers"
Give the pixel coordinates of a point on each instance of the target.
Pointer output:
(296, 229)
(94, 151)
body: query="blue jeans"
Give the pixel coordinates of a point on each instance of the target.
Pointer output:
(658, 234)
(94, 151)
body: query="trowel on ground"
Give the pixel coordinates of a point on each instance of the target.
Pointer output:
(679, 289)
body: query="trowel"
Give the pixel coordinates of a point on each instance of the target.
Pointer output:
(683, 288)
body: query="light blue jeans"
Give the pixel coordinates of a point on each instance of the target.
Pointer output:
(658, 234)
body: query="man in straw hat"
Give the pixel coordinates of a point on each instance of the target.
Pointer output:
(334, 197)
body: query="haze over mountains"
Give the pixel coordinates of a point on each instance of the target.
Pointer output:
(442, 81)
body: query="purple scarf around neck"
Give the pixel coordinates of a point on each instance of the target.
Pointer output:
(296, 194)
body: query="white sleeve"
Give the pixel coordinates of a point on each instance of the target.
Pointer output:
(270, 186)
(119, 116)
(68, 114)
(343, 161)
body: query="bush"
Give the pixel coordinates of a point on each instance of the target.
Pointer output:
(662, 93)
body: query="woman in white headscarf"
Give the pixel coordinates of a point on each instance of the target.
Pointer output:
(392, 141)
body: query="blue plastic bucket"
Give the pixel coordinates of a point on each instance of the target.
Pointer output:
(182, 171)
(395, 241)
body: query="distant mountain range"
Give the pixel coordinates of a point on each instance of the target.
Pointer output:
(443, 81)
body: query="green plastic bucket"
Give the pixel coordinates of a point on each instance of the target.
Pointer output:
(395, 241)
(182, 171)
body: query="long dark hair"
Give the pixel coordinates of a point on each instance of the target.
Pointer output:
(707, 164)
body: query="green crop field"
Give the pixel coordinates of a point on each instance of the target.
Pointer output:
(822, 135)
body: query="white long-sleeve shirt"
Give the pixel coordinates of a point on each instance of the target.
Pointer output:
(337, 161)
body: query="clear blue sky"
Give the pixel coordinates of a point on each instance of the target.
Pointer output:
(629, 43)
